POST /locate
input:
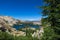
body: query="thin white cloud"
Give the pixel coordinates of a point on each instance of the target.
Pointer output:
(28, 19)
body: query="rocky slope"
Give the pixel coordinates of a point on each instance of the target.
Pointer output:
(6, 23)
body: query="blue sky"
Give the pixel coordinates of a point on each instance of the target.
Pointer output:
(21, 9)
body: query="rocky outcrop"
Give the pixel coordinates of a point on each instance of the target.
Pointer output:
(6, 24)
(8, 19)
(38, 33)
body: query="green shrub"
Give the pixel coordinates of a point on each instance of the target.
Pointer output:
(25, 38)
(6, 36)
(48, 34)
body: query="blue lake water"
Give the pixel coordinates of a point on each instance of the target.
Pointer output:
(23, 25)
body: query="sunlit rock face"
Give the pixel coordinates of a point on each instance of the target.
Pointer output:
(38, 33)
(5, 25)
(9, 20)
(36, 22)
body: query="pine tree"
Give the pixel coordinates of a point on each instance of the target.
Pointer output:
(51, 12)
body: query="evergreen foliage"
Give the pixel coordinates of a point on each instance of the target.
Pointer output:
(51, 12)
